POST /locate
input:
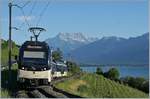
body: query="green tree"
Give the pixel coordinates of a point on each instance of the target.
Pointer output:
(57, 55)
(99, 71)
(73, 67)
(138, 83)
(113, 74)
(145, 86)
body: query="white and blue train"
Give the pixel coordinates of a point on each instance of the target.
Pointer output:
(35, 65)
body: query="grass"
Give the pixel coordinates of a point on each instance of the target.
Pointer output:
(5, 92)
(97, 86)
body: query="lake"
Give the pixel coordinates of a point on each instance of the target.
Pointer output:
(134, 71)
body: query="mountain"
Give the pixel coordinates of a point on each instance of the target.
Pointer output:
(114, 50)
(69, 41)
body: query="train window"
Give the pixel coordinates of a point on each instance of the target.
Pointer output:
(31, 54)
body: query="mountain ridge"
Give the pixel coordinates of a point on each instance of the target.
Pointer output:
(69, 41)
(114, 51)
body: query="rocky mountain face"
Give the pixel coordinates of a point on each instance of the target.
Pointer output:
(69, 41)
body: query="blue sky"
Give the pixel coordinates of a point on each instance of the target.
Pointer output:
(98, 18)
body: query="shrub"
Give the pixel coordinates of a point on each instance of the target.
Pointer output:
(99, 71)
(138, 83)
(82, 88)
(57, 55)
(113, 74)
(73, 67)
(145, 86)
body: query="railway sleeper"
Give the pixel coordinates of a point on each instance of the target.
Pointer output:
(49, 92)
(21, 94)
(36, 94)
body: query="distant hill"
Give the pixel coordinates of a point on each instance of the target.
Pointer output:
(67, 42)
(114, 50)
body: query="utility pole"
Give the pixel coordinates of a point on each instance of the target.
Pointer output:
(10, 44)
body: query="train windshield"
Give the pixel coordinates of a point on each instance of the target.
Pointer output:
(35, 55)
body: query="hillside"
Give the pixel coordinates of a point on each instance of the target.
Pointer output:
(97, 86)
(4, 51)
(114, 50)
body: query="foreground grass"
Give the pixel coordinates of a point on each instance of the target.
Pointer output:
(4, 81)
(5, 93)
(97, 86)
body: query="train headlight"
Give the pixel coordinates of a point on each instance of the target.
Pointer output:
(23, 68)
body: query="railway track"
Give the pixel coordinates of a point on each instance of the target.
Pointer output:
(46, 91)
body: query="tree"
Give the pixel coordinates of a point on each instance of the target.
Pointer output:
(113, 74)
(99, 71)
(138, 83)
(57, 55)
(145, 86)
(73, 67)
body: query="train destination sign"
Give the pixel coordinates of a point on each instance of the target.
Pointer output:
(29, 46)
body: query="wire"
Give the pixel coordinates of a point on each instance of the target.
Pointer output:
(25, 18)
(33, 6)
(42, 12)
(40, 16)
(26, 3)
(30, 13)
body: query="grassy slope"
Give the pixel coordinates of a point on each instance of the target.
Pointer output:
(97, 86)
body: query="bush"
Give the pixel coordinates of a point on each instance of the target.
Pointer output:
(99, 71)
(113, 74)
(138, 83)
(145, 86)
(57, 55)
(82, 88)
(73, 67)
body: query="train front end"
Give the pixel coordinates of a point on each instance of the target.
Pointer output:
(34, 63)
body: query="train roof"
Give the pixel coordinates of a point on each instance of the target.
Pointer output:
(35, 45)
(38, 43)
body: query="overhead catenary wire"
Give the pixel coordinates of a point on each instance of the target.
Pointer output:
(26, 3)
(30, 13)
(42, 12)
(25, 17)
(21, 8)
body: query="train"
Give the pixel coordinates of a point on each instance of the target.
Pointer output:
(36, 66)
